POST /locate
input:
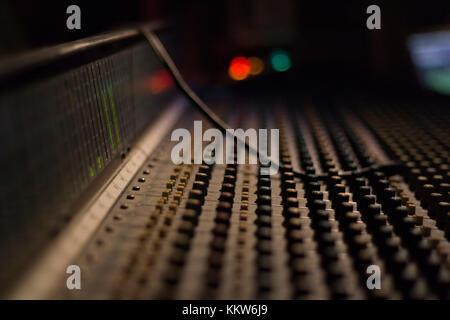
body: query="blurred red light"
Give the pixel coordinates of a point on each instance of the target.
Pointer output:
(160, 81)
(239, 68)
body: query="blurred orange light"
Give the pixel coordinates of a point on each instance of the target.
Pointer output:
(239, 68)
(256, 65)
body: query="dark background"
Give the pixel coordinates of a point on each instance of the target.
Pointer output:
(328, 41)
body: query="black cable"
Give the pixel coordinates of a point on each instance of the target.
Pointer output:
(390, 168)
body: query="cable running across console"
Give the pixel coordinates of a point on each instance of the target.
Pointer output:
(390, 168)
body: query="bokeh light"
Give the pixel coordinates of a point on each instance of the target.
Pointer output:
(280, 60)
(239, 68)
(160, 81)
(256, 65)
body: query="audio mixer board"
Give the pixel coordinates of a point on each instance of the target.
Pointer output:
(105, 195)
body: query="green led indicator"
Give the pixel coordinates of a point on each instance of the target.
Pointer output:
(280, 60)
(91, 171)
(99, 160)
(109, 124)
(114, 116)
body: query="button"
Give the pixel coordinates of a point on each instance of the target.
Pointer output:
(227, 187)
(355, 229)
(376, 221)
(302, 287)
(297, 250)
(218, 244)
(317, 205)
(411, 208)
(338, 188)
(333, 180)
(387, 194)
(264, 263)
(199, 185)
(286, 168)
(325, 238)
(301, 266)
(264, 282)
(330, 254)
(316, 195)
(399, 213)
(205, 169)
(292, 212)
(311, 186)
(230, 171)
(409, 276)
(412, 235)
(288, 184)
(226, 196)
(447, 226)
(430, 202)
(223, 217)
(186, 227)
(287, 176)
(323, 226)
(264, 247)
(295, 236)
(340, 198)
(390, 246)
(293, 223)
(190, 215)
(196, 194)
(320, 215)
(381, 185)
(349, 218)
(264, 182)
(264, 210)
(266, 191)
(202, 177)
(364, 203)
(364, 255)
(194, 204)
(291, 203)
(290, 193)
(220, 229)
(215, 260)
(178, 257)
(229, 179)
(264, 200)
(224, 206)
(357, 183)
(343, 208)
(443, 208)
(335, 270)
(359, 242)
(362, 191)
(182, 241)
(373, 210)
(264, 233)
(263, 220)
(172, 274)
(424, 192)
(383, 232)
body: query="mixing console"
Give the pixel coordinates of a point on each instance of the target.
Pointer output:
(224, 231)
(91, 183)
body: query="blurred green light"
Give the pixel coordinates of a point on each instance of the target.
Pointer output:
(280, 60)
(439, 80)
